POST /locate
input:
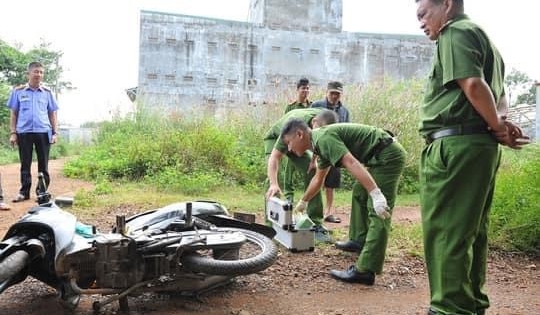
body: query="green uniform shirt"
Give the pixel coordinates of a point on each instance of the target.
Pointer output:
(305, 114)
(332, 142)
(445, 104)
(297, 105)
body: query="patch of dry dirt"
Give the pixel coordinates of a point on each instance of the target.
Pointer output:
(298, 283)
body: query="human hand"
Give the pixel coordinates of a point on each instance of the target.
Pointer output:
(516, 136)
(379, 203)
(300, 207)
(510, 135)
(13, 139)
(273, 190)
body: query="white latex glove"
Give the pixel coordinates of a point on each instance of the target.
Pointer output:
(379, 203)
(300, 207)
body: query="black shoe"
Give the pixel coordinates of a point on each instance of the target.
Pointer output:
(349, 246)
(351, 275)
(431, 312)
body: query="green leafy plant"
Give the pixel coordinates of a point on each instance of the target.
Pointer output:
(515, 214)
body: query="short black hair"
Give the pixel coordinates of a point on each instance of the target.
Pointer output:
(302, 82)
(327, 117)
(292, 125)
(34, 64)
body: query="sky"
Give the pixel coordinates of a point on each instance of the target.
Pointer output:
(100, 38)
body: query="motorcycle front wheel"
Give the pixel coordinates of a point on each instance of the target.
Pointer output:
(12, 264)
(257, 253)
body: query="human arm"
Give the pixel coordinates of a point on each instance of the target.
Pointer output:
(272, 171)
(361, 174)
(54, 126)
(314, 186)
(481, 98)
(13, 127)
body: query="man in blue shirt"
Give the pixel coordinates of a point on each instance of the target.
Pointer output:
(33, 123)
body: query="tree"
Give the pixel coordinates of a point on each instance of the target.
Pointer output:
(13, 66)
(53, 70)
(521, 88)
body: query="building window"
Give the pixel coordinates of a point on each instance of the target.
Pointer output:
(335, 54)
(314, 51)
(296, 50)
(187, 78)
(170, 77)
(151, 76)
(276, 48)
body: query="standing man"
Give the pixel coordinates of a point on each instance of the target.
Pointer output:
(302, 92)
(462, 119)
(352, 146)
(33, 123)
(333, 179)
(276, 150)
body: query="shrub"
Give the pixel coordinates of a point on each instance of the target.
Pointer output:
(515, 213)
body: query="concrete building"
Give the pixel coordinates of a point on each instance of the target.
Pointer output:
(188, 61)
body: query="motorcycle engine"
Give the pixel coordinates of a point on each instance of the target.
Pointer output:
(118, 265)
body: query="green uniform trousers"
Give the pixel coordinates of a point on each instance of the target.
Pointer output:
(301, 164)
(457, 180)
(288, 180)
(365, 226)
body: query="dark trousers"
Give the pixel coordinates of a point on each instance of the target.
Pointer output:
(27, 142)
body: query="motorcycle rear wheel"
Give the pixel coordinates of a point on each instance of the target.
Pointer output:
(12, 264)
(260, 250)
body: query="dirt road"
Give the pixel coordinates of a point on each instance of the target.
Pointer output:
(297, 284)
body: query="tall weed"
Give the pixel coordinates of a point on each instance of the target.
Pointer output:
(515, 213)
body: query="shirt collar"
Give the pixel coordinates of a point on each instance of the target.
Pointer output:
(458, 17)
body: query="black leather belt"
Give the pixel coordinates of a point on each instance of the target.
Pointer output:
(456, 131)
(383, 144)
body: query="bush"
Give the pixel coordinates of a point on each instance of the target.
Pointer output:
(394, 106)
(515, 214)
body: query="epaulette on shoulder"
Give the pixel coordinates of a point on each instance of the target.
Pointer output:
(20, 87)
(45, 88)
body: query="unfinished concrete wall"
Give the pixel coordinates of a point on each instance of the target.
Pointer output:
(304, 15)
(188, 61)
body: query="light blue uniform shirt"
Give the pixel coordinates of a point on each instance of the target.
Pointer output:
(33, 108)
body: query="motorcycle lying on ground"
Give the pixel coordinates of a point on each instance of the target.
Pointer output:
(185, 247)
